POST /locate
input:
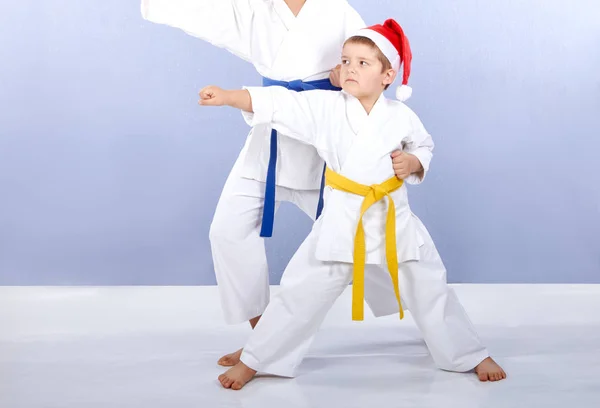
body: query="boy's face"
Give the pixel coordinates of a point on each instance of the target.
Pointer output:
(362, 73)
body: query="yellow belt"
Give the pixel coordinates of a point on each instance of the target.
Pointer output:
(372, 194)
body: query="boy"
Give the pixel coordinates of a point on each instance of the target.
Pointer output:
(355, 131)
(286, 41)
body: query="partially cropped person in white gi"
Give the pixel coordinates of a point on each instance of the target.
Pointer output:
(294, 43)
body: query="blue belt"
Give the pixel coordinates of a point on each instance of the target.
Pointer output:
(269, 204)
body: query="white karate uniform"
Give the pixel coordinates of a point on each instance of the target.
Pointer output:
(281, 47)
(356, 145)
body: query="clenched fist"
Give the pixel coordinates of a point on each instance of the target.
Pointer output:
(405, 164)
(213, 96)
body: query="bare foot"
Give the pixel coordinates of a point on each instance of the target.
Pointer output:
(237, 376)
(229, 360)
(489, 370)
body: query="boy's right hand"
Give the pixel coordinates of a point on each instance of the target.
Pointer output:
(213, 96)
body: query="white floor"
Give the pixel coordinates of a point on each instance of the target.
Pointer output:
(157, 347)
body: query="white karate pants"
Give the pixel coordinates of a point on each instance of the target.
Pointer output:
(309, 288)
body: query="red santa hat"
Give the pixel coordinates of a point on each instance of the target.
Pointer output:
(392, 42)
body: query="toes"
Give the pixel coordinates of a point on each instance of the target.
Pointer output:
(483, 376)
(222, 379)
(230, 359)
(225, 380)
(237, 385)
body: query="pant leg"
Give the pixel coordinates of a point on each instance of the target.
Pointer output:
(238, 251)
(379, 292)
(446, 328)
(307, 201)
(308, 289)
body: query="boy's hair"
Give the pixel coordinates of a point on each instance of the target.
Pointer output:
(385, 63)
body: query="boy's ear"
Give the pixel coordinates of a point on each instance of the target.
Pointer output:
(390, 77)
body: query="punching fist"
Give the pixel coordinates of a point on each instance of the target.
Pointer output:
(213, 96)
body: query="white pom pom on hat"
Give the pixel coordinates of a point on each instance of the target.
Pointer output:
(392, 42)
(403, 92)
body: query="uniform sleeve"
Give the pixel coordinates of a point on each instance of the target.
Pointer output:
(420, 144)
(223, 23)
(298, 115)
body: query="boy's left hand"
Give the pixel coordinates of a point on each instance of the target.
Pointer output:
(404, 164)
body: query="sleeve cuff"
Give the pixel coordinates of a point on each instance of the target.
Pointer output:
(424, 155)
(262, 105)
